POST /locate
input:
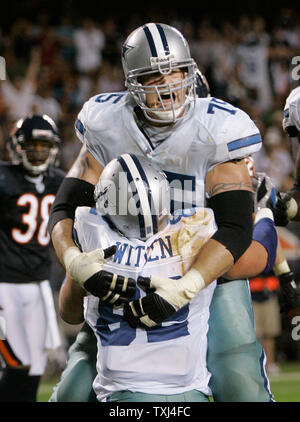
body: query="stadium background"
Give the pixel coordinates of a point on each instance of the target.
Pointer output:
(245, 51)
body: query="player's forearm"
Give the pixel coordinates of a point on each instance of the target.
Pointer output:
(213, 261)
(250, 264)
(70, 303)
(260, 256)
(62, 238)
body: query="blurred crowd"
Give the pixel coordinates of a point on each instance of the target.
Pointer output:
(54, 68)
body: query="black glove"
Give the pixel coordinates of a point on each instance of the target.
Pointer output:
(110, 288)
(280, 211)
(289, 294)
(148, 311)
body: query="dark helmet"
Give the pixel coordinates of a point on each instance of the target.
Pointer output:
(26, 137)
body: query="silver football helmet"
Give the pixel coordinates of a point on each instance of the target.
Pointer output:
(157, 48)
(134, 195)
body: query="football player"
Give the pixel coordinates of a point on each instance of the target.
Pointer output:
(201, 144)
(288, 203)
(167, 361)
(288, 207)
(28, 185)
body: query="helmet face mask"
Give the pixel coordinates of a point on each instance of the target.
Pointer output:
(134, 196)
(159, 49)
(37, 155)
(34, 143)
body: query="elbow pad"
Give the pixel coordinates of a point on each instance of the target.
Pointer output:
(233, 214)
(71, 194)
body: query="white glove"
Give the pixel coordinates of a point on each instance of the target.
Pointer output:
(170, 295)
(178, 292)
(82, 265)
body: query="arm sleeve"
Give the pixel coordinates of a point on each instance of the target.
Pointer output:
(72, 193)
(233, 213)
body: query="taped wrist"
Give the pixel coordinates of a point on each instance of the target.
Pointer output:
(192, 283)
(82, 265)
(180, 291)
(281, 268)
(71, 194)
(233, 214)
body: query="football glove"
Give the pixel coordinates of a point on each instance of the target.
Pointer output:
(289, 127)
(289, 293)
(291, 120)
(85, 268)
(111, 288)
(285, 210)
(265, 192)
(169, 296)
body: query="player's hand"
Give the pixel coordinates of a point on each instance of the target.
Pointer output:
(285, 210)
(153, 308)
(288, 125)
(265, 192)
(280, 211)
(86, 269)
(289, 293)
(82, 265)
(111, 288)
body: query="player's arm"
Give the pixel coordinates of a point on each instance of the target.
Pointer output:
(85, 268)
(77, 189)
(70, 302)
(260, 257)
(251, 263)
(230, 192)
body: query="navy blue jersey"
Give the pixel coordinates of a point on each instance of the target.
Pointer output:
(24, 212)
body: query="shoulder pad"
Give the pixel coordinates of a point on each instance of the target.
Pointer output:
(232, 131)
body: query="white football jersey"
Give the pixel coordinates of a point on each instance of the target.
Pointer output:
(171, 357)
(212, 133)
(292, 109)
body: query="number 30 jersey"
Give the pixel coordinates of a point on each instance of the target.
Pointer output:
(212, 132)
(171, 357)
(24, 212)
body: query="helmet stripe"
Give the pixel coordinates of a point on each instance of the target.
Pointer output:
(150, 200)
(145, 196)
(150, 41)
(157, 39)
(130, 180)
(163, 38)
(133, 173)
